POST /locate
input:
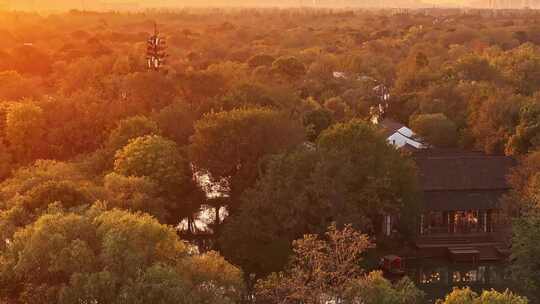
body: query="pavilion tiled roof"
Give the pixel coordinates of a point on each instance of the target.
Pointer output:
(458, 180)
(456, 170)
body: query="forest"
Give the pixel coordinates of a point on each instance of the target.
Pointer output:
(246, 168)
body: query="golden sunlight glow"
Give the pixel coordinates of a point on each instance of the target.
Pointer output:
(120, 5)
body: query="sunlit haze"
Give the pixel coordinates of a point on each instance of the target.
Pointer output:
(269, 151)
(55, 5)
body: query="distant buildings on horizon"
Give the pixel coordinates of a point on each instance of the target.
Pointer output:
(506, 4)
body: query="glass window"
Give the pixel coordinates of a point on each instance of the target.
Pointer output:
(467, 221)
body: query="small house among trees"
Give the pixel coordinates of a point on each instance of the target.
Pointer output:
(461, 191)
(400, 135)
(462, 195)
(396, 133)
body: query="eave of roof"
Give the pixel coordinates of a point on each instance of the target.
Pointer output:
(462, 200)
(441, 170)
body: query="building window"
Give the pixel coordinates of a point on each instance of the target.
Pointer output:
(467, 221)
(436, 223)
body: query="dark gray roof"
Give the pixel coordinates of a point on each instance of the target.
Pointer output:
(462, 200)
(462, 180)
(446, 171)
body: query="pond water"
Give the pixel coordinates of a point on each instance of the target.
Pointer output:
(438, 277)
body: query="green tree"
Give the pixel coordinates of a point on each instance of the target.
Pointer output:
(278, 210)
(467, 296)
(421, 60)
(77, 124)
(232, 72)
(5, 162)
(131, 128)
(148, 91)
(328, 269)
(493, 122)
(373, 288)
(323, 68)
(317, 121)
(351, 176)
(154, 157)
(177, 122)
(339, 109)
(41, 172)
(460, 296)
(31, 60)
(525, 268)
(521, 68)
(475, 68)
(67, 193)
(82, 73)
(319, 268)
(212, 267)
(435, 129)
(260, 60)
(253, 95)
(200, 86)
(523, 206)
(289, 67)
(35, 190)
(135, 193)
(110, 257)
(15, 87)
(159, 284)
(25, 130)
(414, 73)
(505, 297)
(161, 161)
(229, 145)
(361, 169)
(446, 98)
(524, 180)
(527, 134)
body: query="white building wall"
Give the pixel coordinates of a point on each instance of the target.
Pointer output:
(399, 140)
(406, 131)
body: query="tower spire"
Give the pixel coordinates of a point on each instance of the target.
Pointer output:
(156, 50)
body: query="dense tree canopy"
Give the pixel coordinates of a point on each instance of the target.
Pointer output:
(525, 208)
(228, 145)
(15, 87)
(110, 257)
(526, 244)
(267, 111)
(435, 129)
(328, 269)
(5, 161)
(160, 160)
(467, 296)
(154, 157)
(176, 121)
(129, 129)
(25, 130)
(351, 176)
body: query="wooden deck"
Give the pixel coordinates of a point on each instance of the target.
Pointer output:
(464, 254)
(461, 249)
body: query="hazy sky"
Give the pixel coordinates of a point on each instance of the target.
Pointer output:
(180, 2)
(94, 4)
